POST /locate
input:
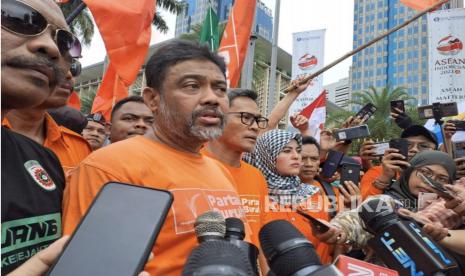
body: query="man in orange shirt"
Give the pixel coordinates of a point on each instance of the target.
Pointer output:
(94, 132)
(39, 126)
(187, 94)
(241, 131)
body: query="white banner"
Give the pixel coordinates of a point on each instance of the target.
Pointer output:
(446, 33)
(307, 58)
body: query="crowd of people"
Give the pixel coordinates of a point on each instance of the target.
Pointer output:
(191, 135)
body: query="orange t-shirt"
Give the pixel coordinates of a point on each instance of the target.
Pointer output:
(253, 191)
(198, 184)
(314, 207)
(69, 147)
(366, 183)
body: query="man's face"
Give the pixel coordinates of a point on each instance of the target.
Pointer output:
(32, 66)
(61, 94)
(192, 102)
(417, 144)
(311, 163)
(237, 135)
(94, 133)
(133, 118)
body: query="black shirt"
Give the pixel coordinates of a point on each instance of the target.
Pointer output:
(32, 193)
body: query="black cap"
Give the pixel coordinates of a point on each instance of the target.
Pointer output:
(417, 130)
(96, 117)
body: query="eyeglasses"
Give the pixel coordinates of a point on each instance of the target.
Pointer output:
(248, 119)
(442, 179)
(421, 146)
(75, 68)
(21, 19)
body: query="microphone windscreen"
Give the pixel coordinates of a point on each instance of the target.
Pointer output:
(286, 249)
(377, 214)
(235, 227)
(210, 223)
(217, 258)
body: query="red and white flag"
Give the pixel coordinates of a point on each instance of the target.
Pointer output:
(316, 114)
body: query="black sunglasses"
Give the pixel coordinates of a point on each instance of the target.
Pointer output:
(21, 19)
(75, 68)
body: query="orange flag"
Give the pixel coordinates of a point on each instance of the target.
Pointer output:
(74, 101)
(419, 4)
(125, 26)
(236, 37)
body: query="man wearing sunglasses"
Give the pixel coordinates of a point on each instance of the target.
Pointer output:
(36, 54)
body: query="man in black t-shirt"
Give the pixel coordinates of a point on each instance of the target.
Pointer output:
(34, 60)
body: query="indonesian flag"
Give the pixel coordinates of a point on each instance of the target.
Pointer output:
(419, 5)
(316, 114)
(74, 101)
(235, 40)
(125, 26)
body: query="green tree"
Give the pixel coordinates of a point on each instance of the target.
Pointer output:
(87, 100)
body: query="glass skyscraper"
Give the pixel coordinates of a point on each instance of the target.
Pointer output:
(196, 11)
(401, 59)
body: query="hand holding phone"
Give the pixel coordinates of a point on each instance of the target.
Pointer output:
(365, 113)
(438, 188)
(317, 225)
(350, 133)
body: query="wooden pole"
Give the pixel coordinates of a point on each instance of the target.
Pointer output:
(368, 44)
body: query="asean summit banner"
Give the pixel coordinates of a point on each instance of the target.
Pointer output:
(446, 32)
(307, 58)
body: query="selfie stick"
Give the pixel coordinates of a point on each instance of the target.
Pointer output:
(437, 115)
(75, 13)
(373, 41)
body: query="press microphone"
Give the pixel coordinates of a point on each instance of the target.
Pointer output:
(289, 253)
(217, 258)
(235, 234)
(210, 226)
(401, 244)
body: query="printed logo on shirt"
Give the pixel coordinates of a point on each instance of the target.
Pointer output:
(190, 203)
(251, 205)
(40, 176)
(23, 238)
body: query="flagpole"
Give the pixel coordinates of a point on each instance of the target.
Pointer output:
(373, 41)
(272, 91)
(247, 68)
(76, 12)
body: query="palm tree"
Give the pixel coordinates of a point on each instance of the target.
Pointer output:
(173, 6)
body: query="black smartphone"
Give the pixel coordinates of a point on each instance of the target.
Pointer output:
(316, 224)
(401, 145)
(117, 233)
(350, 172)
(380, 148)
(366, 112)
(398, 104)
(445, 109)
(458, 149)
(356, 132)
(459, 125)
(437, 187)
(331, 164)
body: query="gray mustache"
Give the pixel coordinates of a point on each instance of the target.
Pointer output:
(26, 62)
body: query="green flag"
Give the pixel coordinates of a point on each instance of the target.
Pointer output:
(209, 33)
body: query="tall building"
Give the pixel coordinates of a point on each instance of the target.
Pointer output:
(196, 10)
(338, 93)
(401, 59)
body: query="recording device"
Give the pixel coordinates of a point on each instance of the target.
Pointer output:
(380, 148)
(458, 149)
(289, 253)
(458, 124)
(401, 244)
(400, 144)
(350, 133)
(366, 112)
(210, 226)
(316, 224)
(119, 228)
(331, 164)
(350, 172)
(398, 104)
(438, 110)
(217, 257)
(235, 234)
(437, 187)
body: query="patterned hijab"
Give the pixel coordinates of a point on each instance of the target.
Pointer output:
(284, 189)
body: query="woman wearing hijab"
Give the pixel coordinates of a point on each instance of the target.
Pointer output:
(347, 226)
(277, 156)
